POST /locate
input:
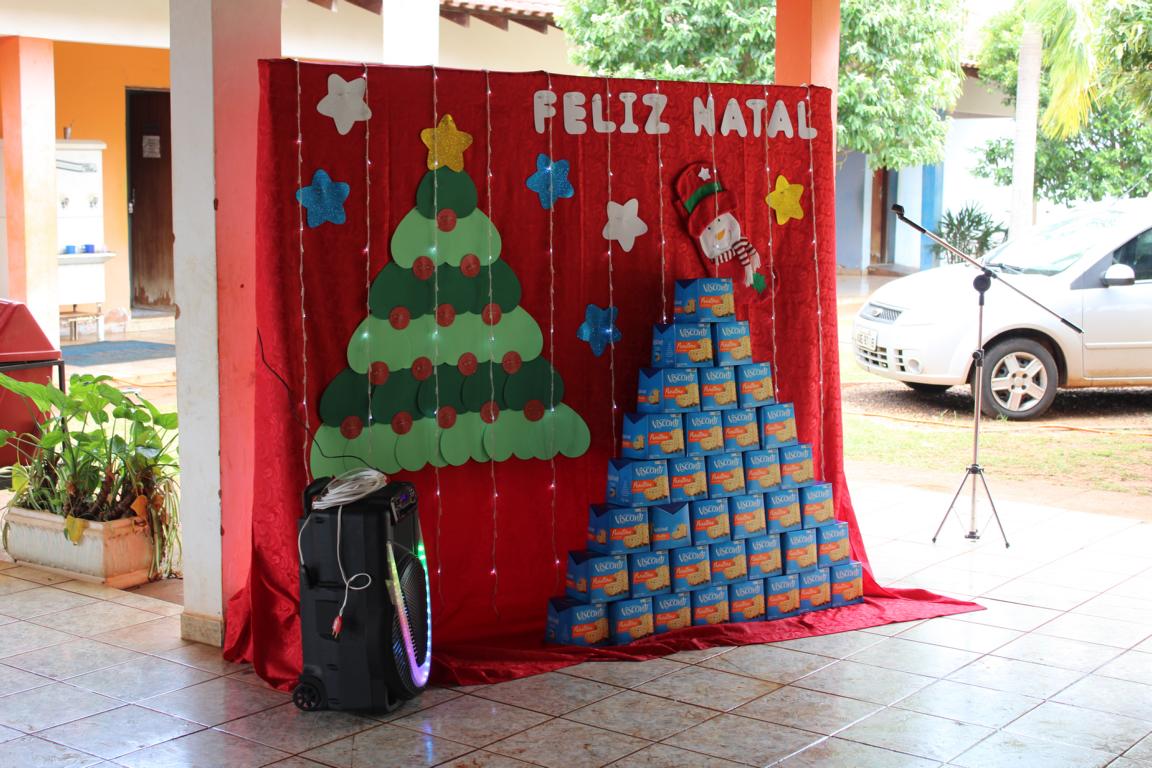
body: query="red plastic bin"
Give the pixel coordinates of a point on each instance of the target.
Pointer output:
(27, 355)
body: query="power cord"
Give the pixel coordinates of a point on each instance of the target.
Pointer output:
(344, 489)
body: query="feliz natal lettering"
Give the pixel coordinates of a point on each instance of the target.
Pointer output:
(575, 115)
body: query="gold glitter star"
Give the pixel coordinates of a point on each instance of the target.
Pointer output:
(446, 144)
(785, 200)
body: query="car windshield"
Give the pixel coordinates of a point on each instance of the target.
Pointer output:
(1052, 248)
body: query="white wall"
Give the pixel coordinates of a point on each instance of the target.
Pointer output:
(961, 186)
(142, 23)
(909, 193)
(483, 46)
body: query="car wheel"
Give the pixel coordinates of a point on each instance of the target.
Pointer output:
(1019, 379)
(927, 389)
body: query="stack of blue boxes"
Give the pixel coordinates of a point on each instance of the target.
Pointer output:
(713, 513)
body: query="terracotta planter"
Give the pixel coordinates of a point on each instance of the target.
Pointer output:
(116, 553)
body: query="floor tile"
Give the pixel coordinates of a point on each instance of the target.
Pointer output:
(140, 679)
(638, 714)
(1124, 762)
(837, 646)
(94, 618)
(1011, 750)
(1080, 727)
(1096, 629)
(8, 734)
(768, 662)
(550, 693)
(564, 744)
(1111, 605)
(1061, 575)
(483, 759)
(1141, 750)
(962, 635)
(149, 637)
(14, 680)
(935, 738)
(1040, 594)
(1059, 652)
(744, 740)
(698, 655)
(1120, 697)
(292, 762)
(203, 657)
(39, 601)
(841, 753)
(996, 613)
(22, 637)
(860, 681)
(917, 658)
(1037, 680)
(664, 756)
(215, 701)
(626, 674)
(29, 751)
(30, 573)
(292, 730)
(10, 585)
(708, 688)
(150, 604)
(429, 698)
(807, 710)
(472, 720)
(50, 705)
(119, 731)
(893, 629)
(949, 580)
(969, 703)
(89, 588)
(72, 658)
(386, 746)
(203, 749)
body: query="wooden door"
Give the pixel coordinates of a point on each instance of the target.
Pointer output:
(880, 216)
(150, 198)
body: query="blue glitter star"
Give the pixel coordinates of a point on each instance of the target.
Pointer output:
(550, 181)
(599, 328)
(324, 199)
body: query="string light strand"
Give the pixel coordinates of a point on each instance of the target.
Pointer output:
(303, 307)
(816, 273)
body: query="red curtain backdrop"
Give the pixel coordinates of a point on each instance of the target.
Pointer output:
(493, 547)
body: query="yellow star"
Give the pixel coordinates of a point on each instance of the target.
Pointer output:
(785, 200)
(446, 144)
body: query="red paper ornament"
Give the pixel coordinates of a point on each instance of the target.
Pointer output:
(489, 412)
(402, 423)
(351, 427)
(421, 368)
(470, 265)
(511, 362)
(423, 268)
(399, 318)
(446, 417)
(378, 373)
(534, 410)
(445, 315)
(490, 314)
(467, 364)
(446, 220)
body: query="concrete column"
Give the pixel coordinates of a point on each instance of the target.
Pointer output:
(215, 46)
(411, 31)
(808, 44)
(28, 99)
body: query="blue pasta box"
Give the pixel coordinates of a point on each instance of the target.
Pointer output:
(816, 504)
(815, 594)
(682, 345)
(796, 465)
(762, 470)
(618, 530)
(630, 620)
(652, 436)
(799, 550)
(832, 546)
(710, 521)
(669, 526)
(672, 611)
(748, 518)
(729, 562)
(717, 389)
(740, 432)
(703, 433)
(754, 386)
(668, 390)
(782, 508)
(725, 475)
(704, 300)
(688, 478)
(782, 596)
(778, 425)
(572, 622)
(690, 569)
(733, 343)
(746, 600)
(764, 557)
(847, 583)
(710, 605)
(649, 573)
(594, 577)
(637, 482)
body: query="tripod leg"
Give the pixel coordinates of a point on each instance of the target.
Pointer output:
(949, 510)
(995, 514)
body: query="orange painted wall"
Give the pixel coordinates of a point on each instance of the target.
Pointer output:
(91, 81)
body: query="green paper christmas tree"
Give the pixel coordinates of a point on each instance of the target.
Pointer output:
(446, 368)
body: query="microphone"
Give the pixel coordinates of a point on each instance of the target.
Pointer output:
(899, 211)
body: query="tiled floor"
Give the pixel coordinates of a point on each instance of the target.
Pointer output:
(1056, 673)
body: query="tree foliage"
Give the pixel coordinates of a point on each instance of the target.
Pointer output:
(899, 60)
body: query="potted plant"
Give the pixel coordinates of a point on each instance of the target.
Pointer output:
(96, 493)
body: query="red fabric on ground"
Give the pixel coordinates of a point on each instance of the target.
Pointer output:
(486, 626)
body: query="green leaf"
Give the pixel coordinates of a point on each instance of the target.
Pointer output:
(5, 436)
(51, 438)
(166, 420)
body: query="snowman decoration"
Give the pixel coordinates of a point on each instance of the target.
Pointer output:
(707, 209)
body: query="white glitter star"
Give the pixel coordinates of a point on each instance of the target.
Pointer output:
(624, 226)
(704, 174)
(345, 102)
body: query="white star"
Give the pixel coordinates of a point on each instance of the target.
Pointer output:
(345, 102)
(624, 226)
(704, 174)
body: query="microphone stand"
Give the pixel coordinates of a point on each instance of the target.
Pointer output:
(974, 470)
